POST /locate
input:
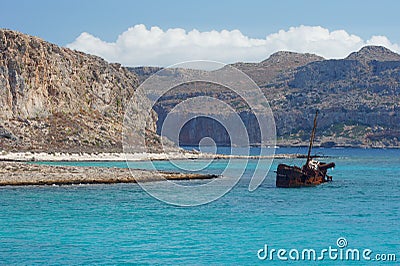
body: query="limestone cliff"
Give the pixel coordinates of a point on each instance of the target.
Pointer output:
(56, 99)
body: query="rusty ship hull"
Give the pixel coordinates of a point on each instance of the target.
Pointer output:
(293, 177)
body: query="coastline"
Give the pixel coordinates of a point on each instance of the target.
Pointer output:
(121, 157)
(16, 171)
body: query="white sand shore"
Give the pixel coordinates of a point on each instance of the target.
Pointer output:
(42, 156)
(82, 157)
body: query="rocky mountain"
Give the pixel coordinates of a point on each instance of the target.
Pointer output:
(278, 64)
(56, 99)
(145, 72)
(358, 98)
(371, 53)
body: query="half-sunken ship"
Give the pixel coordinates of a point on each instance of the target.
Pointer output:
(312, 173)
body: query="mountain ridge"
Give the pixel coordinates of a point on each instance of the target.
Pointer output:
(55, 99)
(356, 96)
(373, 52)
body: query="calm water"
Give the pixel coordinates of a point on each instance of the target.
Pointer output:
(112, 224)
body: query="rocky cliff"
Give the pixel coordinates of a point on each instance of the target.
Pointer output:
(56, 99)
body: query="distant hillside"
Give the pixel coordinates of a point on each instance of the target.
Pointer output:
(358, 98)
(278, 64)
(371, 53)
(56, 99)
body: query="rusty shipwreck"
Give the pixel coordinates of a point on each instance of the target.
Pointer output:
(312, 173)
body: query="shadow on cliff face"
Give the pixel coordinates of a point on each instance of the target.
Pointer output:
(202, 127)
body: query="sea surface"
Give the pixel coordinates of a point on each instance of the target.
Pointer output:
(122, 224)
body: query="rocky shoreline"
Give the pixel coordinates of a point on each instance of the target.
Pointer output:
(23, 174)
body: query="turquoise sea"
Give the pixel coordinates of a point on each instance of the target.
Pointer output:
(122, 224)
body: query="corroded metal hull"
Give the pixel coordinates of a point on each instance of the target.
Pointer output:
(293, 176)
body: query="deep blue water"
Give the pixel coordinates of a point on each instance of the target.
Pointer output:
(120, 223)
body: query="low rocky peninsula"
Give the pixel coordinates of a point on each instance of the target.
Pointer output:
(19, 174)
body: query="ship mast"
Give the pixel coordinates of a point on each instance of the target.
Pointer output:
(312, 138)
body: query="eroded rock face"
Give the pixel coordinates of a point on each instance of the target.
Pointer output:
(53, 98)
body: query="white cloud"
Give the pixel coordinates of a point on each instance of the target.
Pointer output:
(141, 46)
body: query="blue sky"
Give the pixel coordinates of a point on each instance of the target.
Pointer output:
(61, 22)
